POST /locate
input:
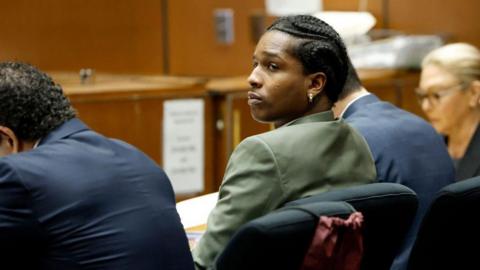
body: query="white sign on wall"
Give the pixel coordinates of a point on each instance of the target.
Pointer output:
(183, 144)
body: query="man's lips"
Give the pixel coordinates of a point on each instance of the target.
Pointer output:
(253, 98)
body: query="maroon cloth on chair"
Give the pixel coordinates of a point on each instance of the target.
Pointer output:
(336, 245)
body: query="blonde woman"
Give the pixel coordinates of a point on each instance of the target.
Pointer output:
(449, 94)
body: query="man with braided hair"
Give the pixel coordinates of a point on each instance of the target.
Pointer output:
(71, 198)
(299, 70)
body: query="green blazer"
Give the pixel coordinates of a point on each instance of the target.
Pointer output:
(307, 156)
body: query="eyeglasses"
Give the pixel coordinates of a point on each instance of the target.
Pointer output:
(435, 97)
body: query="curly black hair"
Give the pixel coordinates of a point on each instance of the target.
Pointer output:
(31, 104)
(320, 49)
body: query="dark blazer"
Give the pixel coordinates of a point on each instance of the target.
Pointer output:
(407, 150)
(83, 201)
(469, 165)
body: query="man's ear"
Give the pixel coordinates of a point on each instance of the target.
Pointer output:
(9, 142)
(475, 94)
(317, 82)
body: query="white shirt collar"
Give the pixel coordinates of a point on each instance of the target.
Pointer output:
(36, 143)
(351, 102)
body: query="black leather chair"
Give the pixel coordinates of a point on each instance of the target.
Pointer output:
(388, 211)
(449, 236)
(278, 240)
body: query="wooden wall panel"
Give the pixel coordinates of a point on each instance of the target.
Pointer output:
(457, 18)
(193, 49)
(122, 36)
(192, 44)
(126, 36)
(373, 6)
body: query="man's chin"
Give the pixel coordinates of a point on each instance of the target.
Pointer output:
(439, 128)
(260, 119)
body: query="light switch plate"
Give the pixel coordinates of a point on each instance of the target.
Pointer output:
(224, 29)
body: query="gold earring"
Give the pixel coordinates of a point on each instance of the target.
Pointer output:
(310, 97)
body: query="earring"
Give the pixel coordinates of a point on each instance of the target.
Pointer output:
(310, 98)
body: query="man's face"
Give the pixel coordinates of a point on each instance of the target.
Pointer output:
(279, 85)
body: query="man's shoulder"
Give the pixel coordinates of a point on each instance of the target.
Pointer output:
(325, 128)
(7, 168)
(301, 136)
(78, 152)
(378, 109)
(381, 115)
(295, 139)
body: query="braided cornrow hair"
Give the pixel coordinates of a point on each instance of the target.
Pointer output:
(320, 49)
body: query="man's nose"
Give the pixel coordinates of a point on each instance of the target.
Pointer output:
(426, 104)
(254, 79)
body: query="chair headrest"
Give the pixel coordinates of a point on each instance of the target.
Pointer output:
(388, 210)
(277, 240)
(357, 194)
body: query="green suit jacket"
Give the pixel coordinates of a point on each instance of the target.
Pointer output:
(307, 156)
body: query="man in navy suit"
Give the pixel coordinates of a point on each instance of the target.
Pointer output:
(406, 149)
(71, 198)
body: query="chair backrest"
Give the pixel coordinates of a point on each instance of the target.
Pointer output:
(450, 231)
(388, 211)
(278, 240)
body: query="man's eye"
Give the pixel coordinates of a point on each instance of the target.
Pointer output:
(272, 66)
(436, 96)
(254, 64)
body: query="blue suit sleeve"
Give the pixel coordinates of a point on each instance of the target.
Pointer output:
(18, 230)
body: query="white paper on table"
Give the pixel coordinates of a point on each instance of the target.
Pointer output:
(194, 212)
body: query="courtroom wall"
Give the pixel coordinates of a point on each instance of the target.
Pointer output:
(121, 36)
(177, 37)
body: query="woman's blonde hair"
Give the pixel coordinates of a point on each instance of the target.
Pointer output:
(460, 59)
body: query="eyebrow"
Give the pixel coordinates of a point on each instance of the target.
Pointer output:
(442, 87)
(269, 55)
